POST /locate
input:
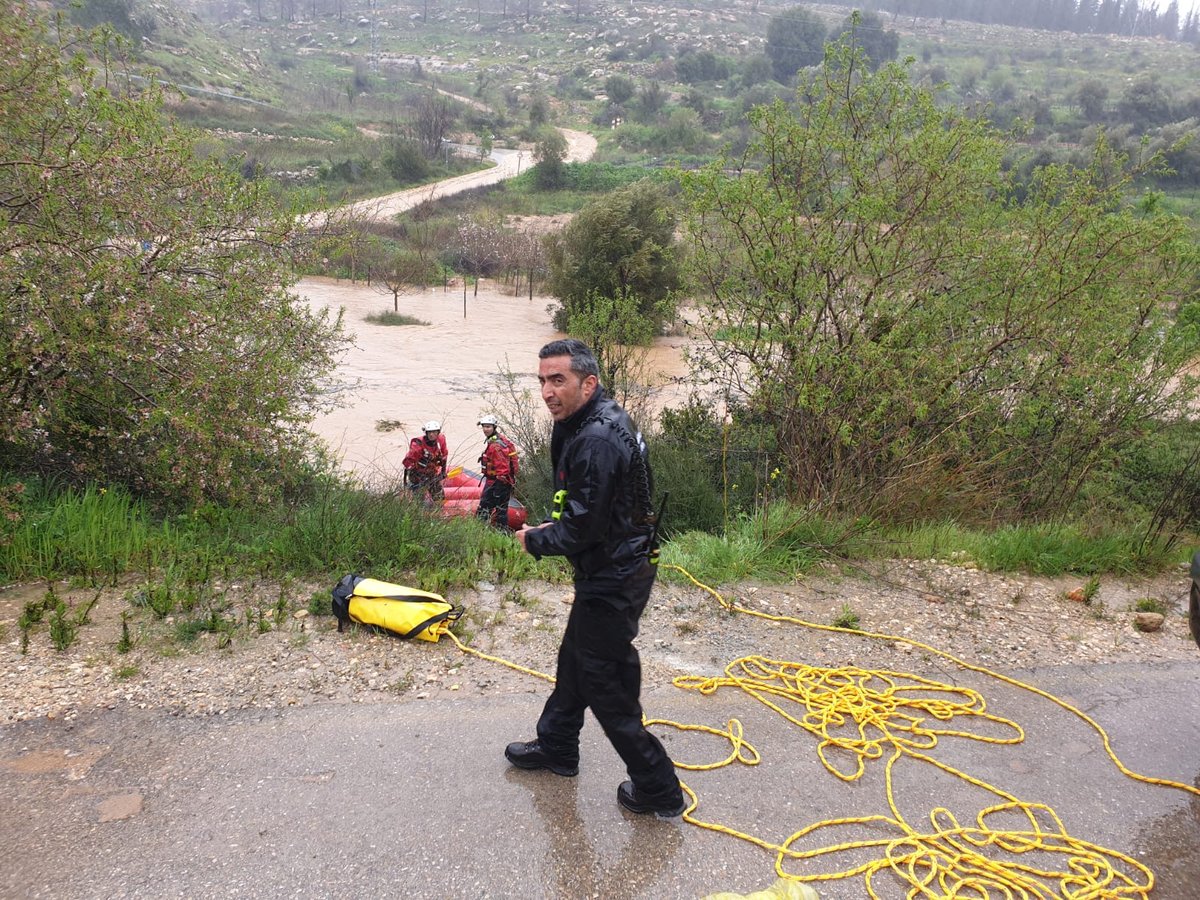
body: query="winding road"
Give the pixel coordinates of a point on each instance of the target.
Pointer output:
(508, 164)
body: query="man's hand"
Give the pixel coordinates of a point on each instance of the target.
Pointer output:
(525, 529)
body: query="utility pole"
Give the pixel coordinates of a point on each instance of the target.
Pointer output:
(374, 50)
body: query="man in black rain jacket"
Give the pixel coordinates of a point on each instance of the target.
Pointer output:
(603, 524)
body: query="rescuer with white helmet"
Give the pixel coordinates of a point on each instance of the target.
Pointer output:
(425, 462)
(499, 466)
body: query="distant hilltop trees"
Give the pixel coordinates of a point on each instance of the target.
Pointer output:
(1124, 17)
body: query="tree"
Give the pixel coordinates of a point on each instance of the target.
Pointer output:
(919, 343)
(866, 32)
(1168, 22)
(619, 88)
(402, 271)
(795, 40)
(692, 67)
(1092, 96)
(148, 335)
(622, 245)
(618, 333)
(1144, 104)
(405, 161)
(531, 257)
(650, 100)
(433, 120)
(756, 69)
(550, 155)
(478, 243)
(539, 111)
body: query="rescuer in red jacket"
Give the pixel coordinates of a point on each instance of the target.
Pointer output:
(499, 464)
(425, 464)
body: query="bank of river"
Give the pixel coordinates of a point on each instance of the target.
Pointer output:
(445, 370)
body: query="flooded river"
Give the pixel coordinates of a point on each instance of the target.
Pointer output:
(444, 370)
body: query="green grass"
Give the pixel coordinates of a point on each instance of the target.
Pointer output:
(99, 535)
(780, 542)
(846, 618)
(1150, 604)
(1035, 549)
(102, 535)
(784, 542)
(92, 532)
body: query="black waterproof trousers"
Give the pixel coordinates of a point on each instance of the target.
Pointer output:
(598, 667)
(493, 504)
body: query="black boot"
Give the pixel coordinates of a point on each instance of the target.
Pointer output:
(532, 755)
(628, 797)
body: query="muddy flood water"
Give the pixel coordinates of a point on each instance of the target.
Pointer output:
(410, 374)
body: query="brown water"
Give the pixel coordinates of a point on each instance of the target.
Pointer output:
(445, 370)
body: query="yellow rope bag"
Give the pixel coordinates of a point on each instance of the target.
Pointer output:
(404, 611)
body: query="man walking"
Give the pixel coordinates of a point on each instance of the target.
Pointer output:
(499, 464)
(603, 523)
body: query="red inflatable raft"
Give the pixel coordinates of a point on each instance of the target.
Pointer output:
(463, 489)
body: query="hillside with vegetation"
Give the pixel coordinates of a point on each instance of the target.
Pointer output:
(940, 274)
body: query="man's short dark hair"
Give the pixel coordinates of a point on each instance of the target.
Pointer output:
(583, 360)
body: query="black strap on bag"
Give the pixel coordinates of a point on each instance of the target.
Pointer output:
(342, 593)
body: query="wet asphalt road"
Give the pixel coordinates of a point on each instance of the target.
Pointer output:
(414, 799)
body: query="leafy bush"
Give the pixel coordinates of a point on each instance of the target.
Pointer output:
(163, 350)
(902, 368)
(406, 162)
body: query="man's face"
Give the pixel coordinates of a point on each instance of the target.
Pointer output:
(488, 430)
(431, 437)
(563, 391)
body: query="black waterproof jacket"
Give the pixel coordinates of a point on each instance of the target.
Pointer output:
(592, 452)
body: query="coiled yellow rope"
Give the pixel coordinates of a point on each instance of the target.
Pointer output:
(859, 715)
(872, 711)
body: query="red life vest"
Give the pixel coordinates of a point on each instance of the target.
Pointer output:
(499, 459)
(427, 459)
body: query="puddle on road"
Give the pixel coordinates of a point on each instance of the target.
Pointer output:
(1168, 847)
(413, 373)
(74, 764)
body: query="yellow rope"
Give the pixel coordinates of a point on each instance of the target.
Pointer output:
(734, 607)
(496, 659)
(860, 715)
(871, 711)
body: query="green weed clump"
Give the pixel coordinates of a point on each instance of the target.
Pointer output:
(63, 623)
(63, 628)
(778, 542)
(389, 317)
(125, 642)
(846, 618)
(1150, 604)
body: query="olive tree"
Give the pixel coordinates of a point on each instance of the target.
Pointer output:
(147, 332)
(795, 40)
(866, 32)
(919, 341)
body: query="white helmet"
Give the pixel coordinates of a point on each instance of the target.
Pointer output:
(433, 425)
(488, 420)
